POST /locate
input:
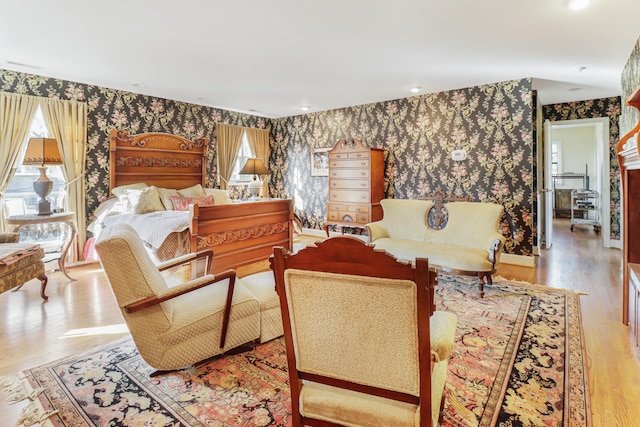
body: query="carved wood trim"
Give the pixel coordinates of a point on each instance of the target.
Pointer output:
(438, 216)
(241, 234)
(171, 162)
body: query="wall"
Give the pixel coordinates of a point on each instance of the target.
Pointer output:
(630, 82)
(578, 148)
(492, 122)
(109, 108)
(604, 107)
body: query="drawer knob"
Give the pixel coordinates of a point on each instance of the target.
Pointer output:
(335, 183)
(334, 174)
(363, 197)
(334, 196)
(363, 185)
(363, 163)
(363, 173)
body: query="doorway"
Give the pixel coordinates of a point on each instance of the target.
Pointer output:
(581, 147)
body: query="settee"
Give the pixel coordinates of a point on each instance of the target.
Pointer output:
(459, 237)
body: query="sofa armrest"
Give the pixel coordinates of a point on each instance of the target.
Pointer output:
(376, 230)
(495, 249)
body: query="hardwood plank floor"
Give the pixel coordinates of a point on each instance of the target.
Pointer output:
(82, 314)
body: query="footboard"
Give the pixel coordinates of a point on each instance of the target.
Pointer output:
(241, 233)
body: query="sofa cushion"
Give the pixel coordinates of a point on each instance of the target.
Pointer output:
(441, 254)
(406, 219)
(462, 226)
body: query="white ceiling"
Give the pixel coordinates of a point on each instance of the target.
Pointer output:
(270, 57)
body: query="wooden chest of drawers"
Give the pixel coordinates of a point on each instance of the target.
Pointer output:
(356, 184)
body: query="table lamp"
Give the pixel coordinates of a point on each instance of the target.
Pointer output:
(254, 167)
(42, 152)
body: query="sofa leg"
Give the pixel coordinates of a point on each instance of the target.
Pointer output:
(43, 284)
(481, 281)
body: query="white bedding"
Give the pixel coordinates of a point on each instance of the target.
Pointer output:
(153, 227)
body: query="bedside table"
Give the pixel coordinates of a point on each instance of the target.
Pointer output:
(68, 218)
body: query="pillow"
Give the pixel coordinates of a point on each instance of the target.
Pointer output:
(119, 192)
(193, 191)
(144, 201)
(182, 203)
(220, 197)
(165, 197)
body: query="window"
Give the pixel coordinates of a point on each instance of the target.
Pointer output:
(244, 153)
(20, 197)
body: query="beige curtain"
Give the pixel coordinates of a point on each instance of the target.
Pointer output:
(16, 114)
(259, 143)
(67, 123)
(229, 141)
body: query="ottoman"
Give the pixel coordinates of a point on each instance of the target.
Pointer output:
(19, 263)
(263, 286)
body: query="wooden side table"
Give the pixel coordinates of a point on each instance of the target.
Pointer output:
(68, 218)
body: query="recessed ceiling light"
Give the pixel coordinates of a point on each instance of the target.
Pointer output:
(305, 107)
(574, 89)
(578, 4)
(142, 85)
(581, 69)
(416, 89)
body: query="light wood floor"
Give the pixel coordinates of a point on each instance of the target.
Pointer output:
(82, 314)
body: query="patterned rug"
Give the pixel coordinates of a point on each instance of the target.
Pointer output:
(518, 361)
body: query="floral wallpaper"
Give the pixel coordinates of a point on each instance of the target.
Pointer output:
(109, 108)
(605, 107)
(630, 82)
(493, 123)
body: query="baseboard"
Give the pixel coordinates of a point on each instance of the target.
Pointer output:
(314, 232)
(521, 260)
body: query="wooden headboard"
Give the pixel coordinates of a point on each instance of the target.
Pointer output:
(160, 159)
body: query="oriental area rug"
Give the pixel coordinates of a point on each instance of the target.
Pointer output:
(518, 360)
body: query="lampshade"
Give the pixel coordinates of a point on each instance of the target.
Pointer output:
(254, 167)
(42, 152)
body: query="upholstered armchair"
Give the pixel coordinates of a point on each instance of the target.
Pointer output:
(364, 346)
(175, 326)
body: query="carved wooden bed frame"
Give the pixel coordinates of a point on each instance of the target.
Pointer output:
(240, 233)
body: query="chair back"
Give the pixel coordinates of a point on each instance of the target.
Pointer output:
(133, 276)
(357, 319)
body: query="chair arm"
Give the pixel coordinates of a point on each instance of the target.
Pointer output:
(9, 237)
(183, 259)
(182, 289)
(376, 230)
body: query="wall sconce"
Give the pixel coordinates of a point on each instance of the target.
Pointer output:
(42, 152)
(254, 167)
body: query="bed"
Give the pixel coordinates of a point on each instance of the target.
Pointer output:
(238, 232)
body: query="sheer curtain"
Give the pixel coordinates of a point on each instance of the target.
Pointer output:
(16, 114)
(229, 141)
(67, 123)
(259, 143)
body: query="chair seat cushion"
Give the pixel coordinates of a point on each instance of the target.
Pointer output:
(195, 312)
(443, 334)
(440, 254)
(351, 408)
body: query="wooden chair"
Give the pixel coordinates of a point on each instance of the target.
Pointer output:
(364, 346)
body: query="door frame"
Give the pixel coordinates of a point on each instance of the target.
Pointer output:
(603, 172)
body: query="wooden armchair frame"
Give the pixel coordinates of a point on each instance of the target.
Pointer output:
(348, 255)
